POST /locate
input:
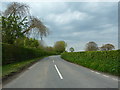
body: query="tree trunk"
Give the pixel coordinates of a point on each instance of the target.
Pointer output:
(41, 38)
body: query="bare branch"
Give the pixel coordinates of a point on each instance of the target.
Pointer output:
(17, 8)
(37, 28)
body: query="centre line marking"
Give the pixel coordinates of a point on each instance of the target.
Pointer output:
(58, 72)
(53, 60)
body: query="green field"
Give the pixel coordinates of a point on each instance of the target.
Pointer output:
(104, 61)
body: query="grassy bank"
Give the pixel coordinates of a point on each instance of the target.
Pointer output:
(104, 61)
(10, 69)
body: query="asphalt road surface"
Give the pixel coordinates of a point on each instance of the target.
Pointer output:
(54, 72)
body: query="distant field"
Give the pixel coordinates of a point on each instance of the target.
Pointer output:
(104, 61)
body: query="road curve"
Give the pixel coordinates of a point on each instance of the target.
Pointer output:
(54, 72)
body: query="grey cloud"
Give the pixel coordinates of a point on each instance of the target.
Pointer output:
(99, 24)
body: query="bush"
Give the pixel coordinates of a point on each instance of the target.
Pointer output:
(11, 53)
(104, 61)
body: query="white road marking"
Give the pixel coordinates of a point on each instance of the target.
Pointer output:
(92, 71)
(105, 76)
(97, 73)
(115, 79)
(32, 66)
(53, 60)
(58, 72)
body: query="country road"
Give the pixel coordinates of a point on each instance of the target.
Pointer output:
(54, 72)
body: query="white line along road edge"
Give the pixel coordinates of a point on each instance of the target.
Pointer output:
(97, 73)
(58, 72)
(105, 76)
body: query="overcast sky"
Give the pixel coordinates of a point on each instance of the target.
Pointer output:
(77, 23)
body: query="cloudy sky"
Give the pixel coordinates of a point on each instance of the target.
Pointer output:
(77, 23)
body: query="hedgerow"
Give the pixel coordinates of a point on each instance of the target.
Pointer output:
(104, 61)
(11, 53)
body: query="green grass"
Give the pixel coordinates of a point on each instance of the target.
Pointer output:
(103, 61)
(16, 67)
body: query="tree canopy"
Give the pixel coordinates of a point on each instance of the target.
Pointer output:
(17, 22)
(91, 46)
(60, 46)
(107, 47)
(71, 49)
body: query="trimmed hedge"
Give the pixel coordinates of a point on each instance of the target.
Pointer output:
(11, 53)
(104, 61)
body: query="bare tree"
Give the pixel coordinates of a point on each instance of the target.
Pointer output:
(36, 27)
(91, 46)
(107, 47)
(16, 8)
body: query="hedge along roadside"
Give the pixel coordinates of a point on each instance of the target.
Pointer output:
(104, 61)
(11, 53)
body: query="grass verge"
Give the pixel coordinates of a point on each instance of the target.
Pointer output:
(11, 69)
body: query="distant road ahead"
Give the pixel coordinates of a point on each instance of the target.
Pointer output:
(54, 72)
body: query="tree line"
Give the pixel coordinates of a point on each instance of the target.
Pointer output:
(92, 46)
(18, 25)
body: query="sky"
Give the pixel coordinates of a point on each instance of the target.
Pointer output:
(77, 23)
